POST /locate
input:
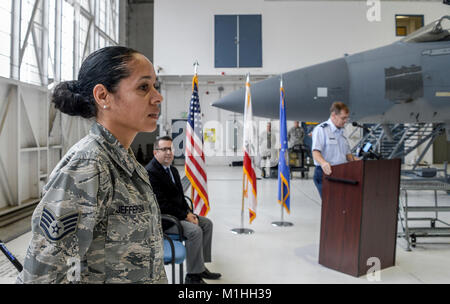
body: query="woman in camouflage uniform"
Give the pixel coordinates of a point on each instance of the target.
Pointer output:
(98, 220)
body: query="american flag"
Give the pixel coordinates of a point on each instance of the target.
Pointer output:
(195, 158)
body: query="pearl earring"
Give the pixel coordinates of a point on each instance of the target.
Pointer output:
(105, 106)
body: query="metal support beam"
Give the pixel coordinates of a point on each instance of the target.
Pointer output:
(4, 184)
(4, 109)
(15, 39)
(44, 42)
(39, 60)
(57, 46)
(76, 39)
(87, 42)
(27, 35)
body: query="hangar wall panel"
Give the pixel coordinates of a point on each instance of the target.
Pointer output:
(140, 28)
(27, 155)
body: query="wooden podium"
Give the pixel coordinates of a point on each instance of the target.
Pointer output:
(359, 215)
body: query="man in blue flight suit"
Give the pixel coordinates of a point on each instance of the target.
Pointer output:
(329, 145)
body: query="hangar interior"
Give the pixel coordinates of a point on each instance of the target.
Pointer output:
(44, 42)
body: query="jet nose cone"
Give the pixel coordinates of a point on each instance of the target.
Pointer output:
(265, 97)
(232, 102)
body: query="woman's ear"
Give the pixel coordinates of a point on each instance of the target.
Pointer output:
(100, 95)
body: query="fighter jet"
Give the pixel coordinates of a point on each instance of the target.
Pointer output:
(407, 81)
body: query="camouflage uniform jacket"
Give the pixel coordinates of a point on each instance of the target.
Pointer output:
(98, 220)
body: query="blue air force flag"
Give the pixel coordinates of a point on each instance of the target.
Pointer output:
(283, 165)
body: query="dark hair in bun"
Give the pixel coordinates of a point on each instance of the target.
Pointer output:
(105, 66)
(68, 99)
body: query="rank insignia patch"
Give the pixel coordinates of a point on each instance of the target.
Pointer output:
(56, 229)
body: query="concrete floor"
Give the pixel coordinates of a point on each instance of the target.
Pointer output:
(287, 254)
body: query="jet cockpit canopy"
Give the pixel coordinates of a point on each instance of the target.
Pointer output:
(438, 30)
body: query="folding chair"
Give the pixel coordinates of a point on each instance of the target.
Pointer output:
(174, 249)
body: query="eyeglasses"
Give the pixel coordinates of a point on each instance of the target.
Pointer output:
(343, 117)
(168, 149)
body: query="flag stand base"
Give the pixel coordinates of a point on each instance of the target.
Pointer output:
(242, 231)
(282, 224)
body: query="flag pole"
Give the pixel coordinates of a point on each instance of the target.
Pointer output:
(196, 64)
(282, 223)
(195, 73)
(243, 198)
(243, 230)
(194, 151)
(10, 256)
(282, 213)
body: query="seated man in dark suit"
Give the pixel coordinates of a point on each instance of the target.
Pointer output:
(167, 187)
